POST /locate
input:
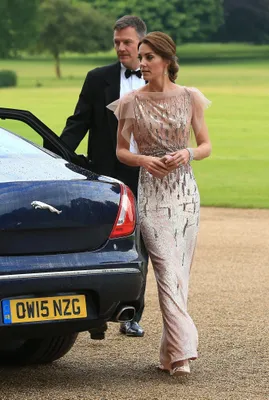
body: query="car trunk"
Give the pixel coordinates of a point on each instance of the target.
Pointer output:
(73, 216)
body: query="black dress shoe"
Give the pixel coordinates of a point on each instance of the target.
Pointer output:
(131, 328)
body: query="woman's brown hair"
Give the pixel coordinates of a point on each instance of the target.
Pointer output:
(163, 45)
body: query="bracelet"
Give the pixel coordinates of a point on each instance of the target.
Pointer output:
(190, 154)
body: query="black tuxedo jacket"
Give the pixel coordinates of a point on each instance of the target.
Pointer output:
(101, 87)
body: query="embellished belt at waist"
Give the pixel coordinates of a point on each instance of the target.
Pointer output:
(160, 152)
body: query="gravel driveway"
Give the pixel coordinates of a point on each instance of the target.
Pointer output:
(229, 302)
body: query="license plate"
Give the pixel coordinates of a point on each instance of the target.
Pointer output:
(17, 311)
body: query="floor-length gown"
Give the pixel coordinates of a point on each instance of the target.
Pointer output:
(168, 208)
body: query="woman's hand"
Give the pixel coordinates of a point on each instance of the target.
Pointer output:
(174, 160)
(155, 166)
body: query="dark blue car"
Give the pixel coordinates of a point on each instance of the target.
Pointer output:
(69, 251)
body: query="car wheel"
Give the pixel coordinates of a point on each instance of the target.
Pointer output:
(38, 350)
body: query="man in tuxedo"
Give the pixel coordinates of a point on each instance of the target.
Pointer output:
(101, 87)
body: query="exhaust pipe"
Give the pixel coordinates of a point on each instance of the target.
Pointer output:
(125, 314)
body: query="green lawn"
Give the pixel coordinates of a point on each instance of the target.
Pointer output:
(236, 173)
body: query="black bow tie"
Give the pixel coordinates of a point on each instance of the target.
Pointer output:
(129, 72)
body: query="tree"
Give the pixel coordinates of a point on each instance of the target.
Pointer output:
(72, 27)
(246, 21)
(184, 20)
(18, 25)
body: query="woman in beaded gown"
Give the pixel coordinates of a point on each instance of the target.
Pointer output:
(159, 117)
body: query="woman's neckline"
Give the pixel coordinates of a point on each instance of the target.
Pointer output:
(176, 89)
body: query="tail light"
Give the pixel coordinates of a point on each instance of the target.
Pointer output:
(126, 218)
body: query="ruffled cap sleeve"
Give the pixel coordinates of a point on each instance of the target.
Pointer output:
(123, 109)
(199, 104)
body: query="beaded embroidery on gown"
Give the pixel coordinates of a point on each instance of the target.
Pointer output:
(168, 208)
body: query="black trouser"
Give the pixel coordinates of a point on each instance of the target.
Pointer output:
(129, 176)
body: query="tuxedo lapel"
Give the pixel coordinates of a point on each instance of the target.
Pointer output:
(112, 93)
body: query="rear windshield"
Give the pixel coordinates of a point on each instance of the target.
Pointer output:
(21, 160)
(13, 145)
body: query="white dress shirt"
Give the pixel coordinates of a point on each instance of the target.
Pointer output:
(126, 86)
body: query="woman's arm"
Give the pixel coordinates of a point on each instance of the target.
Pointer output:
(204, 147)
(182, 157)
